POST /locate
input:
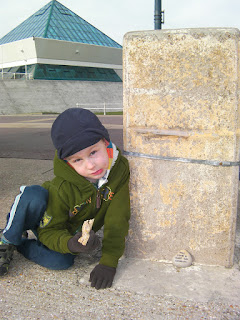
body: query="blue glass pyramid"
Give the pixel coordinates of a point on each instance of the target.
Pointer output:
(55, 21)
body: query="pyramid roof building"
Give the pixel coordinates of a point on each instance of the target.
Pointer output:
(56, 38)
(55, 21)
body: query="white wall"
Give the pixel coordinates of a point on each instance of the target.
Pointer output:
(50, 51)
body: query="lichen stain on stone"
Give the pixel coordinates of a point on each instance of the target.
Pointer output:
(163, 220)
(172, 193)
(216, 110)
(141, 170)
(221, 218)
(170, 198)
(206, 226)
(153, 62)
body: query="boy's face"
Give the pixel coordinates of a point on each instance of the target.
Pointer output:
(91, 162)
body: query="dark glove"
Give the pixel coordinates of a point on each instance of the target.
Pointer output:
(102, 276)
(76, 247)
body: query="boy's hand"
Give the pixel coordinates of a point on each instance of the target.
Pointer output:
(102, 276)
(76, 247)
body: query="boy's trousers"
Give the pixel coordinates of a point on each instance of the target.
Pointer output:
(26, 213)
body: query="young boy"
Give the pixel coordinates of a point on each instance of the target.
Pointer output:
(91, 182)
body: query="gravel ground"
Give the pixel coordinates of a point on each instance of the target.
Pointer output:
(32, 292)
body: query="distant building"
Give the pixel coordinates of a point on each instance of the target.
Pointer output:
(56, 44)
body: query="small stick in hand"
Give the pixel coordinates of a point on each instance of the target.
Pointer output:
(86, 228)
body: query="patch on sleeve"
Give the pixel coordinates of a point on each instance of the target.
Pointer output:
(45, 220)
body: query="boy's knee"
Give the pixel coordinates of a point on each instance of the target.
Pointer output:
(37, 197)
(36, 191)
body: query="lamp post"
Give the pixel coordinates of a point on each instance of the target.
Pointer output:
(158, 15)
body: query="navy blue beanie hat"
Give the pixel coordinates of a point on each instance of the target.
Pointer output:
(76, 129)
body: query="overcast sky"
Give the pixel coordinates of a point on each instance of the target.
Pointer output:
(117, 17)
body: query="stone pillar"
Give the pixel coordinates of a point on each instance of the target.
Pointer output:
(181, 133)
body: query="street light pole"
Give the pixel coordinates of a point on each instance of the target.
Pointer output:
(158, 15)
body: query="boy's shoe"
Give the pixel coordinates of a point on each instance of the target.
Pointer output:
(25, 235)
(6, 254)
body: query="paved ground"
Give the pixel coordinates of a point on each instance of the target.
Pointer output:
(141, 290)
(28, 137)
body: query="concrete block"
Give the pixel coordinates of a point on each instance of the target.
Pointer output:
(181, 106)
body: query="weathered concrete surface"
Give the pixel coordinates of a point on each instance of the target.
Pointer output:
(21, 96)
(181, 100)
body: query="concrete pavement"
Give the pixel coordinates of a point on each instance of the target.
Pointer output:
(141, 290)
(28, 136)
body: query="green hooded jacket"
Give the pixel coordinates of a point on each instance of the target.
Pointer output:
(73, 199)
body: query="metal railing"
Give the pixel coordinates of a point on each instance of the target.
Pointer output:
(101, 106)
(16, 75)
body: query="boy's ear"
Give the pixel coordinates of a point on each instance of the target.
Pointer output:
(105, 141)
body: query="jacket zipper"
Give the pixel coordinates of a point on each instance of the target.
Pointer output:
(98, 199)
